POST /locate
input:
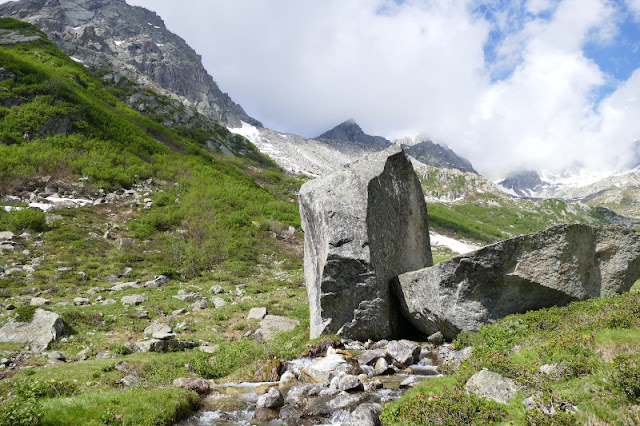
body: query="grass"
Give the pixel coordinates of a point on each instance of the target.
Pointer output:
(592, 344)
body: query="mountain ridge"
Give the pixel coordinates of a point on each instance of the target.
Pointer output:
(135, 42)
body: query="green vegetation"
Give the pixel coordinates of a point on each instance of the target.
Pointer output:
(213, 220)
(592, 349)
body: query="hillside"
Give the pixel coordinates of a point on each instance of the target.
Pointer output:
(157, 203)
(124, 208)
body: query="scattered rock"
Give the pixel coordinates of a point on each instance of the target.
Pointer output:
(490, 385)
(371, 357)
(218, 302)
(158, 345)
(364, 225)
(436, 338)
(272, 324)
(79, 301)
(131, 380)
(324, 369)
(157, 327)
(367, 414)
(272, 399)
(409, 382)
(348, 383)
(201, 304)
(124, 286)
(257, 313)
(158, 281)
(188, 296)
(39, 301)
(45, 327)
(216, 289)
(287, 380)
(199, 385)
(553, 267)
(404, 352)
(135, 299)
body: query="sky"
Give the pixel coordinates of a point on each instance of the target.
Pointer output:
(509, 84)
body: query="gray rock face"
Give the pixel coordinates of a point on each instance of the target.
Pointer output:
(364, 225)
(553, 267)
(135, 42)
(272, 399)
(39, 333)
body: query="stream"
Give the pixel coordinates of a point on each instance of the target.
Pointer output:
(236, 403)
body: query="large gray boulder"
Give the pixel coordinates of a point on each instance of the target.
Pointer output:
(363, 225)
(552, 267)
(44, 328)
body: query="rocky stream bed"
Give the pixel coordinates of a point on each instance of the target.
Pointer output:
(346, 386)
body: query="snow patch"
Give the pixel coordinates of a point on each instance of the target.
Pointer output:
(507, 190)
(460, 247)
(248, 131)
(59, 202)
(78, 60)
(160, 44)
(118, 42)
(75, 28)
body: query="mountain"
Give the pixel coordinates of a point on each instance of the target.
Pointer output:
(350, 131)
(135, 43)
(523, 184)
(433, 154)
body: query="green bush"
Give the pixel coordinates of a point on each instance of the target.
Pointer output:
(25, 313)
(25, 219)
(451, 408)
(626, 375)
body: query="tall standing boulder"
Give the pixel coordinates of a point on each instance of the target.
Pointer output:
(363, 225)
(553, 267)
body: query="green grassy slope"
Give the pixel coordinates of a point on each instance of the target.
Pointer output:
(215, 220)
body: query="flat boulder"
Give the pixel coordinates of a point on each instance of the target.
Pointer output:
(44, 328)
(364, 225)
(556, 266)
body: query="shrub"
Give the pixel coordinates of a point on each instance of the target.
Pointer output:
(452, 408)
(19, 220)
(626, 375)
(25, 313)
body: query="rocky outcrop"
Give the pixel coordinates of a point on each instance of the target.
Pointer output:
(350, 131)
(135, 43)
(44, 328)
(364, 225)
(436, 155)
(553, 267)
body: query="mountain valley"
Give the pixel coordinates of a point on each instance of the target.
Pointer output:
(136, 194)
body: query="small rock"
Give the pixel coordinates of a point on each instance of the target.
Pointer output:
(201, 304)
(409, 382)
(157, 327)
(82, 355)
(490, 385)
(218, 302)
(367, 414)
(272, 399)
(56, 355)
(158, 281)
(124, 286)
(187, 296)
(272, 324)
(349, 383)
(131, 380)
(39, 301)
(216, 289)
(197, 384)
(436, 338)
(208, 349)
(108, 302)
(287, 380)
(404, 352)
(179, 311)
(135, 299)
(324, 369)
(79, 301)
(257, 313)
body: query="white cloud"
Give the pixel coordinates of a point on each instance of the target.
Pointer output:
(419, 67)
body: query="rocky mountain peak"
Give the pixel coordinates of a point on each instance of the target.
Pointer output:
(436, 155)
(350, 131)
(523, 183)
(134, 42)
